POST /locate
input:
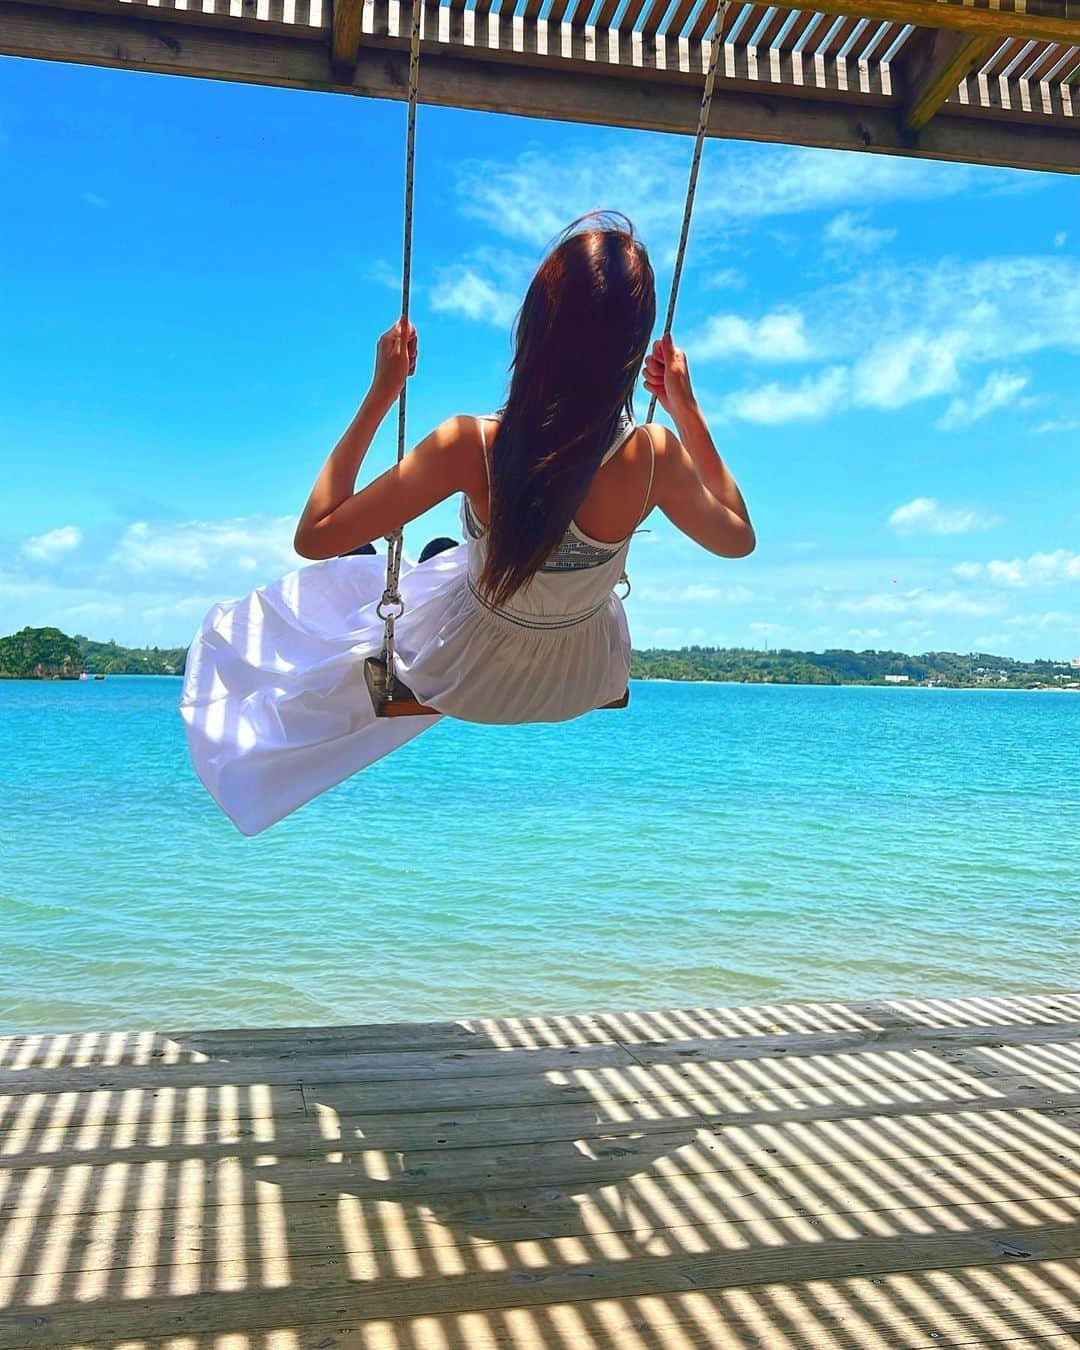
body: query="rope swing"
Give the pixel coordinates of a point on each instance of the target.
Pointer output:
(715, 44)
(391, 607)
(390, 696)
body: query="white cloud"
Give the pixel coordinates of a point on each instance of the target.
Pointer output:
(255, 547)
(926, 515)
(999, 389)
(917, 601)
(381, 273)
(723, 278)
(696, 593)
(1040, 569)
(1057, 426)
(1051, 618)
(969, 315)
(772, 404)
(777, 336)
(462, 290)
(55, 544)
(850, 231)
(486, 285)
(908, 366)
(533, 197)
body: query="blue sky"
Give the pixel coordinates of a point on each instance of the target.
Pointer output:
(195, 275)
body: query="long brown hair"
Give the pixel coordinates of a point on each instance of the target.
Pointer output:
(579, 341)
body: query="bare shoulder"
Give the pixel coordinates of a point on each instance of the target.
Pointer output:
(666, 447)
(459, 441)
(459, 432)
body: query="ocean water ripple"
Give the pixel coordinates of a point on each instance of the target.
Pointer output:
(713, 844)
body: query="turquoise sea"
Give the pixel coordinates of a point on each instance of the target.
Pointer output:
(712, 844)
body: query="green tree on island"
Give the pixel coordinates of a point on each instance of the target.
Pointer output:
(40, 654)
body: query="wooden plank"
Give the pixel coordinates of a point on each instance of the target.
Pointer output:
(316, 1288)
(740, 24)
(345, 37)
(657, 1321)
(779, 16)
(525, 1032)
(679, 15)
(606, 13)
(1050, 20)
(878, 40)
(961, 1309)
(705, 22)
(1043, 60)
(882, 1174)
(801, 31)
(373, 1067)
(928, 1039)
(935, 69)
(145, 1047)
(831, 39)
(233, 15)
(210, 1244)
(1033, 1148)
(825, 1049)
(512, 1112)
(132, 1120)
(1000, 56)
(210, 1221)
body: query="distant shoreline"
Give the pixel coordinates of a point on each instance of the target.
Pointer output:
(48, 653)
(634, 679)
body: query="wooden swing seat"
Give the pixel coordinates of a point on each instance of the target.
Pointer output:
(402, 702)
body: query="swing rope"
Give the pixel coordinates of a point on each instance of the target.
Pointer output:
(391, 607)
(691, 187)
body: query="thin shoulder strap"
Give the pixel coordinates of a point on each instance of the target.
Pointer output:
(652, 471)
(484, 451)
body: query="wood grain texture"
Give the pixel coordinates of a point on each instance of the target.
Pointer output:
(885, 1175)
(1022, 128)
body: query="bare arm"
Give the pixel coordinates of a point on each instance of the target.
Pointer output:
(337, 518)
(694, 487)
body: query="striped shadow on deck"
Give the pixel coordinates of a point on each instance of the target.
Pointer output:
(894, 1174)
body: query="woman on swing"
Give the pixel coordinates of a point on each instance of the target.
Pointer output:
(519, 624)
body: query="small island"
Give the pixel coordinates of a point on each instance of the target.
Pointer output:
(49, 654)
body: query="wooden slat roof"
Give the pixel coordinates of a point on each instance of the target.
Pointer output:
(1003, 75)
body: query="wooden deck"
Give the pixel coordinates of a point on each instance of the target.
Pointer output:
(980, 81)
(894, 1174)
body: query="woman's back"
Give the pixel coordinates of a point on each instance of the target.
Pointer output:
(617, 500)
(557, 646)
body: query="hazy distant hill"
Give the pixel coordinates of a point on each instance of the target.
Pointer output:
(110, 659)
(845, 667)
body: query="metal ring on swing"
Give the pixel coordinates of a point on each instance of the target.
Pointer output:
(624, 580)
(382, 608)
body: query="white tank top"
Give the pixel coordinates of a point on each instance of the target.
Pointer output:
(559, 647)
(577, 578)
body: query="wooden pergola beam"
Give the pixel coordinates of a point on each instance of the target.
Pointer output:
(935, 71)
(345, 35)
(1048, 20)
(769, 115)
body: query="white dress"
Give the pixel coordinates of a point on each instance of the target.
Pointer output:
(275, 702)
